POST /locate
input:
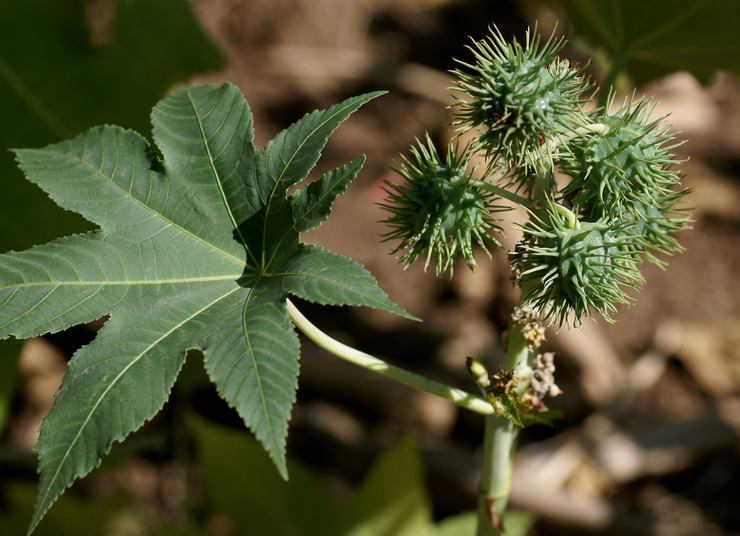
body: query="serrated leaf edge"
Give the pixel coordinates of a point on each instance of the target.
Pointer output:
(39, 514)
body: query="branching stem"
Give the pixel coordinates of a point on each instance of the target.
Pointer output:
(369, 362)
(498, 450)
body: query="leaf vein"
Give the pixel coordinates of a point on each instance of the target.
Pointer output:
(114, 382)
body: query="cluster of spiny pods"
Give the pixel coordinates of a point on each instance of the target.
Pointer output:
(530, 116)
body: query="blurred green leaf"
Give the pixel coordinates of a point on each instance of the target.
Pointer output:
(460, 525)
(54, 83)
(73, 517)
(65, 520)
(656, 37)
(516, 523)
(242, 483)
(9, 353)
(392, 499)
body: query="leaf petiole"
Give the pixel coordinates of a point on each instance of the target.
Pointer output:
(361, 359)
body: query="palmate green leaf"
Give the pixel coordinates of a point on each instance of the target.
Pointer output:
(54, 83)
(655, 38)
(198, 250)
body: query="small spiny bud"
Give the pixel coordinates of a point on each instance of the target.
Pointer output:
(625, 169)
(521, 96)
(568, 268)
(438, 212)
(656, 224)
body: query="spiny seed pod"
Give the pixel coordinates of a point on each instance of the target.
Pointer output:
(439, 212)
(656, 223)
(627, 168)
(565, 269)
(521, 96)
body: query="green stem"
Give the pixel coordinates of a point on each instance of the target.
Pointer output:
(498, 449)
(503, 192)
(369, 362)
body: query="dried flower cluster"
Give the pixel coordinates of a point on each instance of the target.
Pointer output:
(542, 381)
(528, 322)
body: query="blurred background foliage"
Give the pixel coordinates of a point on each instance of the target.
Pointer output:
(649, 39)
(649, 441)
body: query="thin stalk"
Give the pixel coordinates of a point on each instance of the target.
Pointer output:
(503, 192)
(498, 449)
(369, 362)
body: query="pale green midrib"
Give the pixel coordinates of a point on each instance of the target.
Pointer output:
(29, 310)
(251, 353)
(282, 173)
(108, 283)
(165, 219)
(216, 175)
(42, 500)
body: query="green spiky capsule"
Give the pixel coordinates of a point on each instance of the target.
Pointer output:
(522, 96)
(438, 212)
(565, 270)
(657, 223)
(625, 170)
